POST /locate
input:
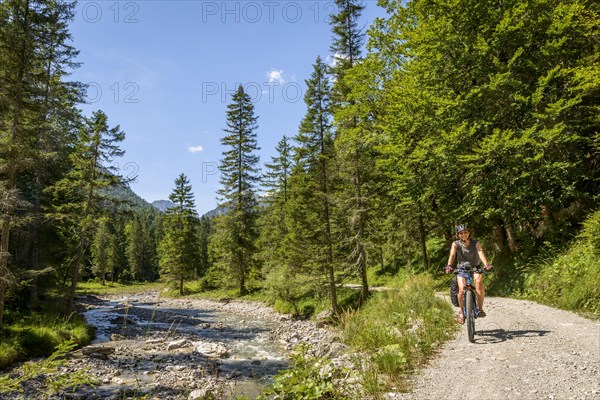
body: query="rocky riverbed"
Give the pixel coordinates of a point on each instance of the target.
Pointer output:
(156, 348)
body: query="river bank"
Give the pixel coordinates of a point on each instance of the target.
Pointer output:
(185, 348)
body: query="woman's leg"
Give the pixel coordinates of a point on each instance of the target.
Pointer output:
(461, 301)
(480, 291)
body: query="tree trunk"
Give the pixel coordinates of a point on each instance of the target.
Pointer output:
(499, 236)
(362, 254)
(512, 242)
(75, 276)
(422, 238)
(2, 293)
(330, 270)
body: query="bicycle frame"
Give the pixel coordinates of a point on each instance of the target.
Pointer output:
(470, 309)
(470, 287)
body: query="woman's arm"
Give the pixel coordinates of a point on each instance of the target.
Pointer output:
(482, 256)
(452, 254)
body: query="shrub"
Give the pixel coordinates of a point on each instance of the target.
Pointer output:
(309, 377)
(570, 280)
(399, 329)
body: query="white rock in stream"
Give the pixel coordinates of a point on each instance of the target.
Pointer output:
(199, 394)
(177, 344)
(209, 349)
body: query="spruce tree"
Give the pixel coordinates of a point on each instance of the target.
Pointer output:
(103, 251)
(312, 183)
(80, 198)
(352, 144)
(179, 248)
(37, 114)
(239, 177)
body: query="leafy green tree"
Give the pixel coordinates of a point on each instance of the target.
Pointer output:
(239, 177)
(488, 116)
(80, 197)
(179, 248)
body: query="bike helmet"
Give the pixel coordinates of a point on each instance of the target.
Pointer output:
(461, 227)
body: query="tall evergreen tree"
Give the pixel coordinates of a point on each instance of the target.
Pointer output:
(352, 132)
(103, 251)
(204, 234)
(312, 182)
(36, 114)
(134, 248)
(179, 249)
(277, 174)
(81, 196)
(239, 177)
(272, 223)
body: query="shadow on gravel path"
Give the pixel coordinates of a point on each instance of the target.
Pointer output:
(500, 335)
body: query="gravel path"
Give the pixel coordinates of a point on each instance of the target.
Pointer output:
(522, 350)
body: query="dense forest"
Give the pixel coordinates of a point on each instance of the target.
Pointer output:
(440, 113)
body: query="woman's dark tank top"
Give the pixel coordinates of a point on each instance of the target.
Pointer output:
(467, 253)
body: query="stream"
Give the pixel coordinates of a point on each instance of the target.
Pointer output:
(175, 349)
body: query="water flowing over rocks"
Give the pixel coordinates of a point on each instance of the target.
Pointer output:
(158, 348)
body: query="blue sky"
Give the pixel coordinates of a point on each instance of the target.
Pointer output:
(165, 71)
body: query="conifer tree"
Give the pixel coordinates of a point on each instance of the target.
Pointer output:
(36, 117)
(103, 251)
(352, 131)
(239, 177)
(312, 181)
(282, 279)
(179, 248)
(80, 198)
(204, 234)
(134, 248)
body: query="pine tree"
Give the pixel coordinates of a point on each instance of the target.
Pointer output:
(204, 234)
(276, 177)
(134, 248)
(352, 132)
(348, 39)
(103, 251)
(36, 117)
(273, 227)
(81, 197)
(179, 248)
(239, 176)
(312, 181)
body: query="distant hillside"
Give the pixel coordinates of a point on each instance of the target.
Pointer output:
(213, 213)
(163, 205)
(131, 199)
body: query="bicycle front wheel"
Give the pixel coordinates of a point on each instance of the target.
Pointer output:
(470, 317)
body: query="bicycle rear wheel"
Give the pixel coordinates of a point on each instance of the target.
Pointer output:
(470, 317)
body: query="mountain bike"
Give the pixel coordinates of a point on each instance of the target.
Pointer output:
(470, 309)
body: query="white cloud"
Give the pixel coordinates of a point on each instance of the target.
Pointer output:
(195, 149)
(332, 61)
(276, 75)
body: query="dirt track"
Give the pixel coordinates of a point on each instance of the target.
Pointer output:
(522, 350)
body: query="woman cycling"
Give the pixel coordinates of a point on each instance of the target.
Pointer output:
(468, 250)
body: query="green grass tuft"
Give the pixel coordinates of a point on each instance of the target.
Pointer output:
(35, 335)
(400, 329)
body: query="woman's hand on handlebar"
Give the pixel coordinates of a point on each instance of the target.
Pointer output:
(448, 268)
